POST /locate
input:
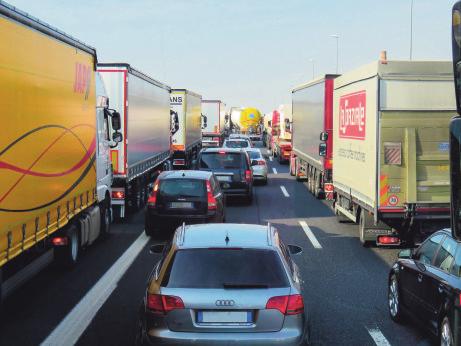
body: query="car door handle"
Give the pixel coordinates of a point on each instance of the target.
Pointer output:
(420, 278)
(441, 288)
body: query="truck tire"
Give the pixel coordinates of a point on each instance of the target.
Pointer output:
(106, 216)
(317, 186)
(362, 228)
(67, 256)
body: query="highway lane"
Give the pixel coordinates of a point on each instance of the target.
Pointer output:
(344, 283)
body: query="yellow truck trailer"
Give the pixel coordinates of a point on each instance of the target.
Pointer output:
(390, 148)
(55, 171)
(250, 119)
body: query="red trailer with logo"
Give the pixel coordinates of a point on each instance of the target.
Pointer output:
(274, 130)
(312, 136)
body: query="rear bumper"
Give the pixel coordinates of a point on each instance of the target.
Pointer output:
(159, 221)
(237, 192)
(286, 336)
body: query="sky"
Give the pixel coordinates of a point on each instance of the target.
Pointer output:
(249, 52)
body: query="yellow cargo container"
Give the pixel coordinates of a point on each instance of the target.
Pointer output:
(390, 146)
(250, 119)
(48, 147)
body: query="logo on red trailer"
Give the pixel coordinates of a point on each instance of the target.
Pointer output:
(352, 115)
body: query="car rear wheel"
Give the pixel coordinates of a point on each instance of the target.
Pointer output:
(446, 335)
(394, 300)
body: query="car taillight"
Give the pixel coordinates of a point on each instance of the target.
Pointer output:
(248, 175)
(261, 163)
(118, 194)
(152, 200)
(287, 305)
(212, 204)
(163, 304)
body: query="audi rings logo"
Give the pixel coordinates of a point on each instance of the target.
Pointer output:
(225, 303)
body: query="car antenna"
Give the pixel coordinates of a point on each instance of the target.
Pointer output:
(227, 238)
(183, 174)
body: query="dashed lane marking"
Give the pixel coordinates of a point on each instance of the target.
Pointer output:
(378, 337)
(274, 170)
(284, 191)
(75, 323)
(310, 235)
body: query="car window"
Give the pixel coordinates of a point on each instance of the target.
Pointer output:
(215, 268)
(426, 252)
(446, 254)
(221, 160)
(182, 187)
(254, 155)
(456, 268)
(237, 144)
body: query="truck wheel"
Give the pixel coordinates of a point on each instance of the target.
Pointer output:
(317, 186)
(106, 217)
(67, 256)
(362, 228)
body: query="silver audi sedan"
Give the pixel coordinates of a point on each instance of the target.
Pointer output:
(258, 165)
(224, 284)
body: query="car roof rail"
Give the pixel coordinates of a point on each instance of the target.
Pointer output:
(181, 234)
(269, 235)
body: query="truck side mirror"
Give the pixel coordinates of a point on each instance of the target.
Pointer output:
(323, 149)
(117, 137)
(116, 123)
(324, 136)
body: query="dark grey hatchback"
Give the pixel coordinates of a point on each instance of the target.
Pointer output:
(183, 196)
(232, 169)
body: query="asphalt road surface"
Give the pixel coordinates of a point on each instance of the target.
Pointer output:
(96, 303)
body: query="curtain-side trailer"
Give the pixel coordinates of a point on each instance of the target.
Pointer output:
(186, 133)
(55, 174)
(213, 122)
(144, 106)
(390, 154)
(312, 130)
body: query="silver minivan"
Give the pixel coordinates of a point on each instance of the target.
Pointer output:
(224, 284)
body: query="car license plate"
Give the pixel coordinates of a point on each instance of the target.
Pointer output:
(224, 178)
(180, 205)
(224, 317)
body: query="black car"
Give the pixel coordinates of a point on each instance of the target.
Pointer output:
(425, 284)
(231, 167)
(184, 196)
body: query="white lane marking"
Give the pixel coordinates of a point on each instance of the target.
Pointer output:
(378, 337)
(284, 191)
(75, 323)
(310, 235)
(274, 170)
(271, 158)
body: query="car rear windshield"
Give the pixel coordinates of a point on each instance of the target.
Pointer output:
(225, 268)
(237, 144)
(182, 187)
(254, 155)
(222, 160)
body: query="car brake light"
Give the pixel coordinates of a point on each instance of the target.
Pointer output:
(152, 200)
(212, 204)
(388, 240)
(261, 162)
(287, 305)
(118, 194)
(60, 241)
(248, 175)
(163, 304)
(221, 152)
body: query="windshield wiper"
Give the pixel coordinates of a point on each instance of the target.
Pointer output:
(244, 285)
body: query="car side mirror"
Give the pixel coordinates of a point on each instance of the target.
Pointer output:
(420, 266)
(117, 137)
(295, 249)
(116, 123)
(405, 254)
(323, 149)
(157, 248)
(323, 136)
